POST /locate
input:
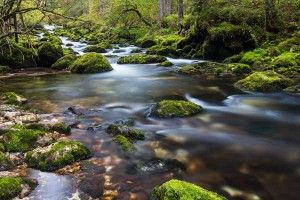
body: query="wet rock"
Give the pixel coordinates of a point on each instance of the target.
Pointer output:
(62, 128)
(57, 155)
(91, 168)
(5, 162)
(49, 53)
(176, 189)
(119, 51)
(175, 108)
(129, 132)
(93, 186)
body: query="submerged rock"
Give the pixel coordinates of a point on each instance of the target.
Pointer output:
(91, 63)
(125, 143)
(166, 64)
(267, 81)
(176, 108)
(181, 190)
(62, 128)
(57, 155)
(92, 186)
(11, 187)
(141, 59)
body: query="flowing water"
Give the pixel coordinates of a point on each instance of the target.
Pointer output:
(244, 146)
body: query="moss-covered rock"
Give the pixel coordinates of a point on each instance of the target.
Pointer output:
(235, 69)
(176, 108)
(125, 143)
(203, 68)
(181, 190)
(251, 57)
(287, 59)
(129, 132)
(163, 51)
(16, 56)
(95, 48)
(62, 128)
(146, 42)
(15, 187)
(166, 64)
(64, 62)
(10, 187)
(91, 63)
(52, 39)
(49, 53)
(141, 59)
(13, 98)
(225, 40)
(5, 162)
(267, 81)
(21, 139)
(4, 69)
(57, 155)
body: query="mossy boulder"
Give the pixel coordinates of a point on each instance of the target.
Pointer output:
(252, 57)
(163, 51)
(95, 48)
(4, 69)
(57, 155)
(129, 132)
(267, 81)
(52, 39)
(13, 98)
(176, 108)
(141, 59)
(146, 43)
(287, 59)
(64, 62)
(225, 40)
(203, 68)
(62, 128)
(125, 143)
(166, 64)
(13, 187)
(17, 56)
(49, 53)
(181, 190)
(234, 69)
(5, 162)
(91, 63)
(21, 139)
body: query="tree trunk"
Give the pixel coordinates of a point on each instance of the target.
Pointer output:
(161, 11)
(271, 16)
(168, 7)
(16, 28)
(180, 14)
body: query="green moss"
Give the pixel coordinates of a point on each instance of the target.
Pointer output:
(125, 143)
(237, 69)
(251, 57)
(4, 69)
(141, 59)
(49, 53)
(64, 62)
(267, 81)
(57, 155)
(181, 190)
(176, 108)
(10, 187)
(234, 59)
(21, 139)
(146, 42)
(163, 51)
(287, 59)
(91, 63)
(12, 98)
(168, 40)
(166, 64)
(52, 39)
(129, 132)
(62, 128)
(2, 147)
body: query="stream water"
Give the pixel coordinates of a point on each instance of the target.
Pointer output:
(244, 146)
